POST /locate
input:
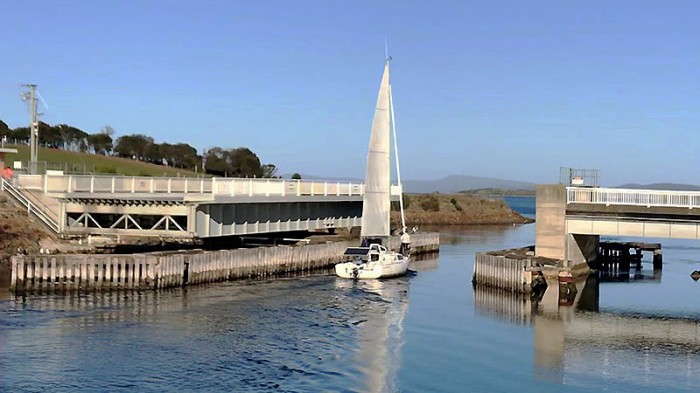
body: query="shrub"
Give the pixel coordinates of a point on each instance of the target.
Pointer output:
(430, 203)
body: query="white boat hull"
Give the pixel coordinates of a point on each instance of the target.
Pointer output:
(371, 270)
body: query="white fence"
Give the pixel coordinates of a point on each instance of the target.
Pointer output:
(621, 196)
(60, 184)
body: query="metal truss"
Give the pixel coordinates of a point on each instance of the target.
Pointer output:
(138, 222)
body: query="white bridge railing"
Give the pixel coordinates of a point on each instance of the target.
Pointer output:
(621, 196)
(32, 209)
(61, 184)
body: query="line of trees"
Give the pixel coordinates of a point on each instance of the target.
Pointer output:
(237, 162)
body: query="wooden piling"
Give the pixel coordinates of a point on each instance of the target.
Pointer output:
(103, 272)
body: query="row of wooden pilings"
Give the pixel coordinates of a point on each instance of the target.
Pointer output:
(618, 256)
(95, 272)
(499, 270)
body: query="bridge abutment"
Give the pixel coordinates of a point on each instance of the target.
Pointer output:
(550, 226)
(552, 239)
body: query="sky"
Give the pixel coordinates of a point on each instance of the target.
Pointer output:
(506, 89)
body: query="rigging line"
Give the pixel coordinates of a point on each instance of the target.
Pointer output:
(396, 150)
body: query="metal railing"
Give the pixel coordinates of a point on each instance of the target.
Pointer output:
(579, 177)
(32, 209)
(181, 185)
(621, 196)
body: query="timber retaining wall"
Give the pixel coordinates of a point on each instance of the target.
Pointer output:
(95, 272)
(501, 271)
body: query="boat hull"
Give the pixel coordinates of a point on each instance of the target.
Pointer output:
(371, 270)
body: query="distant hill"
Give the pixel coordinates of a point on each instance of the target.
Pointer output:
(445, 185)
(498, 192)
(456, 183)
(661, 186)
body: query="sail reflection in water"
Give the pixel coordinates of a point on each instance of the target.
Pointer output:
(574, 343)
(379, 332)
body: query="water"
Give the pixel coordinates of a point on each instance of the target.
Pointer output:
(429, 331)
(523, 205)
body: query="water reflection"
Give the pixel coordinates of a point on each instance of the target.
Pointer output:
(424, 263)
(379, 331)
(304, 334)
(478, 234)
(572, 339)
(631, 276)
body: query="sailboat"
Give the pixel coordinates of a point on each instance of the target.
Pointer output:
(374, 259)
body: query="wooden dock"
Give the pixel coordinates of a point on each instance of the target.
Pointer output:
(621, 256)
(99, 272)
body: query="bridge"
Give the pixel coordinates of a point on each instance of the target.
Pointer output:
(186, 207)
(570, 220)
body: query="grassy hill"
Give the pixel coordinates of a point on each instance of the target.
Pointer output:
(455, 209)
(59, 159)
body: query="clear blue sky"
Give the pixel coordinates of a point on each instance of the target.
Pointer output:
(509, 89)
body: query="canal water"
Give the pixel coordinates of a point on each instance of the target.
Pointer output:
(428, 332)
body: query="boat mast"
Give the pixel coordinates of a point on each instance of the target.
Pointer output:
(396, 150)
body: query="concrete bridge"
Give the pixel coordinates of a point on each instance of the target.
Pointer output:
(570, 220)
(186, 207)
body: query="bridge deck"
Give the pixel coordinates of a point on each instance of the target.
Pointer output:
(193, 207)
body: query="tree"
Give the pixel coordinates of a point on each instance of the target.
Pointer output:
(269, 170)
(296, 176)
(133, 146)
(153, 154)
(245, 163)
(180, 155)
(19, 135)
(239, 162)
(4, 130)
(74, 138)
(101, 143)
(50, 136)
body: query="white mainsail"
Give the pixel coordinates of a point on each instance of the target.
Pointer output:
(376, 203)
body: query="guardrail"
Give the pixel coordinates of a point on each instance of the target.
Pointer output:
(61, 184)
(26, 203)
(621, 196)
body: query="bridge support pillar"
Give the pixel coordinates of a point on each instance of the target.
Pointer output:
(550, 226)
(582, 248)
(552, 239)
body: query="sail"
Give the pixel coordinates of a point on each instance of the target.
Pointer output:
(376, 203)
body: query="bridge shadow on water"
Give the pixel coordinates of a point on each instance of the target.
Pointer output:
(573, 340)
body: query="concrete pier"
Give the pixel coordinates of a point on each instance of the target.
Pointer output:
(99, 272)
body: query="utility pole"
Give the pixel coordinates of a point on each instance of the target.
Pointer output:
(33, 127)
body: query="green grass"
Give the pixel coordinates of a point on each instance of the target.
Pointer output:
(94, 163)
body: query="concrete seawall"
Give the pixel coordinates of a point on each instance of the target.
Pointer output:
(96, 272)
